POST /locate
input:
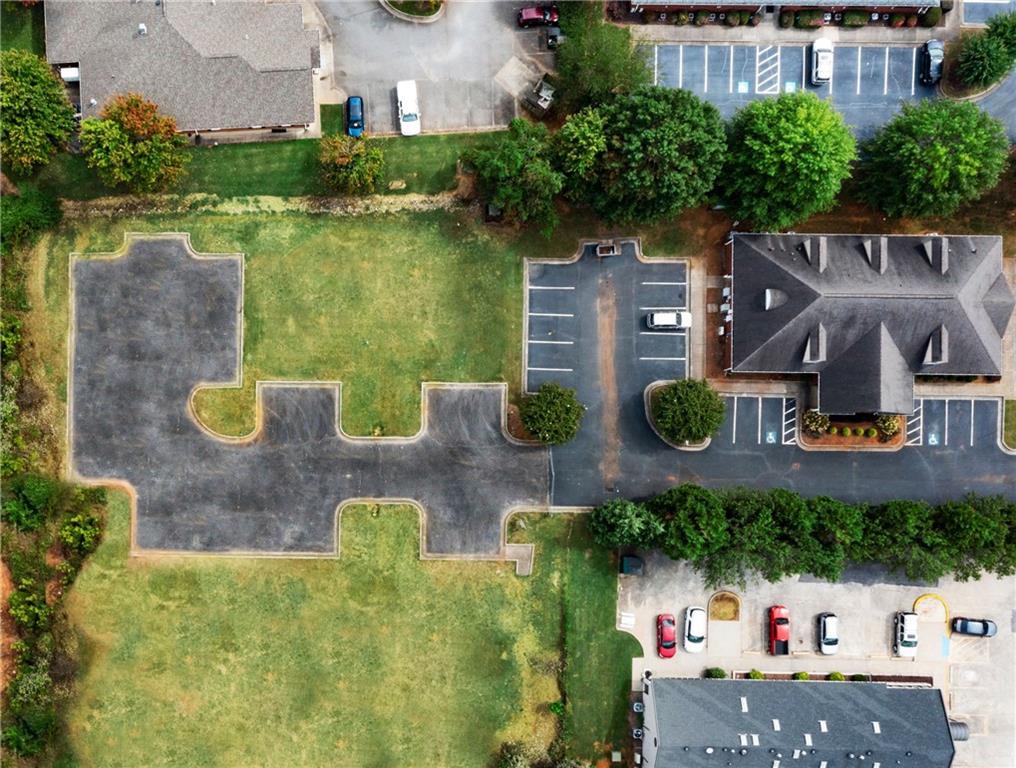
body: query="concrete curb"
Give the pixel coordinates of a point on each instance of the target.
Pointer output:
(647, 395)
(402, 15)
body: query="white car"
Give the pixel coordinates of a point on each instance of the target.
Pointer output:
(409, 107)
(828, 633)
(821, 61)
(694, 629)
(905, 634)
(671, 321)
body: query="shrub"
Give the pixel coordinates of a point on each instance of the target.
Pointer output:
(556, 708)
(786, 19)
(833, 431)
(15, 512)
(897, 20)
(755, 19)
(912, 20)
(810, 19)
(39, 492)
(24, 215)
(815, 423)
(38, 118)
(694, 522)
(28, 606)
(681, 18)
(733, 19)
(858, 431)
(983, 60)
(887, 424)
(745, 17)
(931, 17)
(622, 523)
(755, 674)
(701, 18)
(714, 673)
(351, 166)
(80, 533)
(687, 411)
(836, 677)
(859, 678)
(800, 676)
(553, 414)
(1003, 28)
(870, 432)
(855, 18)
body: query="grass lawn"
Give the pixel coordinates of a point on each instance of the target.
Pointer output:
(22, 27)
(424, 164)
(375, 659)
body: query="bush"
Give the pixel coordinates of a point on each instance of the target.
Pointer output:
(755, 19)
(810, 19)
(351, 166)
(687, 411)
(38, 119)
(786, 19)
(835, 677)
(24, 215)
(887, 424)
(931, 17)
(912, 20)
(18, 514)
(733, 19)
(681, 18)
(622, 523)
(833, 431)
(800, 676)
(39, 492)
(1003, 29)
(858, 431)
(871, 432)
(897, 20)
(755, 674)
(701, 18)
(855, 18)
(28, 607)
(553, 414)
(81, 532)
(714, 673)
(859, 678)
(556, 708)
(745, 17)
(983, 60)
(815, 423)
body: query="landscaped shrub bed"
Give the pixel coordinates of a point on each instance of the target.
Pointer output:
(820, 429)
(812, 18)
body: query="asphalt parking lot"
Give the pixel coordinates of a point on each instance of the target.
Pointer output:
(979, 11)
(468, 66)
(868, 84)
(976, 675)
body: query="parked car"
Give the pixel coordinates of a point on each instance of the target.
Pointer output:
(976, 627)
(668, 320)
(409, 107)
(539, 98)
(779, 630)
(821, 61)
(828, 633)
(905, 634)
(932, 56)
(354, 116)
(666, 635)
(554, 37)
(694, 629)
(538, 16)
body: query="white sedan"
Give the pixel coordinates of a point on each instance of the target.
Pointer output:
(694, 629)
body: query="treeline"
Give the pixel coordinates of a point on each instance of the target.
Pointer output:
(733, 536)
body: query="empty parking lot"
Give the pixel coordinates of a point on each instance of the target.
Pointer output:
(868, 84)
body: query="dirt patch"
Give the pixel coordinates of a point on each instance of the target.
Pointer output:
(724, 606)
(8, 633)
(606, 320)
(515, 426)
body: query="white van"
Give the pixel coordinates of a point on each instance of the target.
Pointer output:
(905, 634)
(821, 61)
(409, 107)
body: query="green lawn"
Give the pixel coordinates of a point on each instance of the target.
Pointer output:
(1010, 423)
(22, 27)
(373, 660)
(423, 164)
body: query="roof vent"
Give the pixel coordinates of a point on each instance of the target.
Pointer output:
(823, 726)
(774, 298)
(142, 30)
(937, 350)
(807, 739)
(815, 347)
(776, 724)
(744, 703)
(876, 726)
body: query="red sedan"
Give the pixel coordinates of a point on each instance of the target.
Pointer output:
(779, 630)
(538, 16)
(666, 635)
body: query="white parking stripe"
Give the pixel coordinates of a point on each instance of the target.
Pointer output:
(661, 333)
(804, 64)
(662, 358)
(730, 84)
(544, 341)
(659, 309)
(971, 422)
(858, 91)
(705, 73)
(552, 287)
(733, 435)
(946, 423)
(551, 314)
(885, 75)
(832, 71)
(552, 370)
(656, 65)
(760, 420)
(913, 71)
(658, 282)
(680, 66)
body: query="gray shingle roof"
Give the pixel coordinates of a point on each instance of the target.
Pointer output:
(221, 65)
(868, 312)
(693, 715)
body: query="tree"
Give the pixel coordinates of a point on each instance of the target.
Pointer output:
(350, 165)
(517, 175)
(933, 157)
(903, 537)
(753, 539)
(687, 411)
(597, 61)
(664, 151)
(131, 144)
(975, 533)
(578, 147)
(694, 522)
(984, 59)
(622, 523)
(1003, 28)
(788, 158)
(37, 117)
(553, 414)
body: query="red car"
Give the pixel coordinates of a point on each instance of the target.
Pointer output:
(538, 16)
(666, 635)
(779, 630)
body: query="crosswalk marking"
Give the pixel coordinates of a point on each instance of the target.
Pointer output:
(767, 69)
(915, 424)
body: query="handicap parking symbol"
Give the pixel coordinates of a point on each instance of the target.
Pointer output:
(789, 87)
(770, 437)
(932, 438)
(742, 86)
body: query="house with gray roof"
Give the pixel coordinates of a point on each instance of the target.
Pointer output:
(213, 66)
(697, 723)
(867, 313)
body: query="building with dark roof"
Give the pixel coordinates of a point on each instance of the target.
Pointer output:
(867, 313)
(793, 724)
(222, 66)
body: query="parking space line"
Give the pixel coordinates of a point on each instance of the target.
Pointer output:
(553, 370)
(760, 420)
(660, 333)
(552, 287)
(662, 358)
(551, 314)
(544, 341)
(885, 74)
(705, 74)
(804, 65)
(971, 421)
(656, 65)
(730, 84)
(658, 309)
(680, 66)
(858, 91)
(915, 424)
(832, 71)
(913, 71)
(733, 437)
(789, 420)
(946, 441)
(765, 64)
(661, 282)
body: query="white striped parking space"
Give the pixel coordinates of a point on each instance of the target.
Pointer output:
(551, 331)
(789, 420)
(767, 69)
(915, 424)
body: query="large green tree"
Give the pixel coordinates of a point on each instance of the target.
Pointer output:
(694, 522)
(687, 411)
(788, 158)
(350, 165)
(597, 61)
(553, 414)
(984, 59)
(132, 145)
(665, 148)
(578, 148)
(37, 118)
(622, 523)
(517, 175)
(933, 157)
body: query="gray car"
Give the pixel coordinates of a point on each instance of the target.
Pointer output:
(932, 55)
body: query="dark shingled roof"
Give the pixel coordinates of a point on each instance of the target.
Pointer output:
(209, 65)
(868, 312)
(692, 715)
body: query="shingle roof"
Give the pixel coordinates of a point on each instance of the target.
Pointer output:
(868, 312)
(209, 65)
(838, 719)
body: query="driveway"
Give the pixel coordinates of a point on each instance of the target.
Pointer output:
(469, 66)
(976, 675)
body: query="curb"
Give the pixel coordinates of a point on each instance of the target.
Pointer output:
(647, 394)
(436, 16)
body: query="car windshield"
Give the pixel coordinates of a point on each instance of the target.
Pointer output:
(695, 638)
(409, 117)
(909, 643)
(781, 622)
(668, 643)
(832, 641)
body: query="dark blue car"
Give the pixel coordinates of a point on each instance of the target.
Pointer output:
(354, 116)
